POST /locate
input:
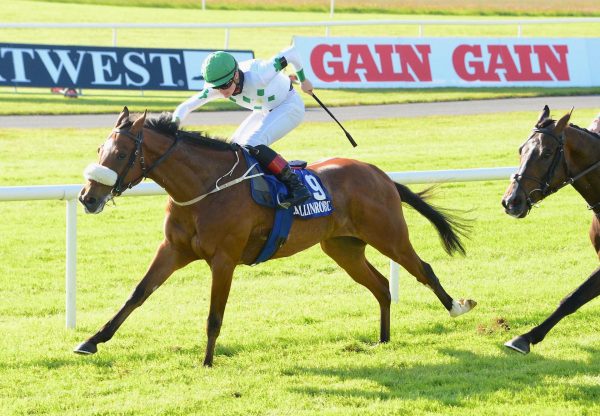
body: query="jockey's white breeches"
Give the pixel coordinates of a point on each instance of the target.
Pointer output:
(266, 127)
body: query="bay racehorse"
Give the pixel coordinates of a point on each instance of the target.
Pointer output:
(226, 228)
(557, 154)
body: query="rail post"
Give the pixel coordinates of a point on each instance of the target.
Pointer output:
(71, 263)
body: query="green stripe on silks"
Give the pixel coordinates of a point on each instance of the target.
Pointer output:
(278, 64)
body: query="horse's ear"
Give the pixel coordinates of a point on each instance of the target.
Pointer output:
(544, 114)
(562, 123)
(139, 123)
(124, 116)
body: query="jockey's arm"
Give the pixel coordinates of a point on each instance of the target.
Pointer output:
(291, 56)
(192, 103)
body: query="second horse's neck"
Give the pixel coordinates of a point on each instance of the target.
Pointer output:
(587, 155)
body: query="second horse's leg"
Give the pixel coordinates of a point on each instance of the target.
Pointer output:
(582, 295)
(165, 262)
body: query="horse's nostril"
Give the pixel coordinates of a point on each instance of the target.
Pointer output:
(504, 202)
(90, 200)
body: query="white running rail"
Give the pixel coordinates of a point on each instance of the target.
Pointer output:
(519, 23)
(69, 194)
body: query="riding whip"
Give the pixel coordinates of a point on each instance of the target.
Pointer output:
(333, 117)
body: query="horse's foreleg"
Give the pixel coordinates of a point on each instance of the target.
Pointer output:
(165, 262)
(349, 254)
(222, 272)
(582, 295)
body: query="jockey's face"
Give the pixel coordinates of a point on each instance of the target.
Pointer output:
(228, 92)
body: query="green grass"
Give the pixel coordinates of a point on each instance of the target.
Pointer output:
(40, 101)
(299, 335)
(450, 7)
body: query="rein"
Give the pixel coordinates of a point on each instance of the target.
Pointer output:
(118, 188)
(226, 185)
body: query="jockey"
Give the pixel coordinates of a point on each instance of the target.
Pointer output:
(260, 86)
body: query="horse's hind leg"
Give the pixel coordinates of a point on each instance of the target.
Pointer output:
(425, 274)
(349, 254)
(165, 262)
(391, 239)
(222, 268)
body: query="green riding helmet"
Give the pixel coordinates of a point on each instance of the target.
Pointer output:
(218, 68)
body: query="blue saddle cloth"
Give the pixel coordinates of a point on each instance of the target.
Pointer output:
(266, 190)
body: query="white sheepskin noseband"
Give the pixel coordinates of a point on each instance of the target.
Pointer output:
(100, 174)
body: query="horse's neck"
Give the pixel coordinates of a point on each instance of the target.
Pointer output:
(583, 151)
(189, 170)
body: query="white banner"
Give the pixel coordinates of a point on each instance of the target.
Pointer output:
(389, 62)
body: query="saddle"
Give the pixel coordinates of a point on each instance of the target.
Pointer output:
(266, 190)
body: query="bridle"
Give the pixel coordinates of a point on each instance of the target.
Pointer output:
(116, 181)
(544, 184)
(559, 155)
(138, 139)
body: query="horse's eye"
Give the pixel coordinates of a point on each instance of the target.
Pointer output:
(121, 156)
(546, 153)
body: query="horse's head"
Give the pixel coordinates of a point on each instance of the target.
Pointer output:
(118, 167)
(543, 167)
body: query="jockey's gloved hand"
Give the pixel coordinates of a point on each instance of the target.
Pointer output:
(306, 86)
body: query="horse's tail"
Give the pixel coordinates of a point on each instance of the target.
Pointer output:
(450, 227)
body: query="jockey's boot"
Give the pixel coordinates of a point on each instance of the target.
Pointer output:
(278, 166)
(297, 191)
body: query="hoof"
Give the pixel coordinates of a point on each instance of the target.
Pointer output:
(461, 307)
(519, 344)
(86, 348)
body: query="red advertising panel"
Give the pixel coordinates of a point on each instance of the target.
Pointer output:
(449, 62)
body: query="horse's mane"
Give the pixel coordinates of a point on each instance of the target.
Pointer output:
(548, 121)
(163, 124)
(596, 135)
